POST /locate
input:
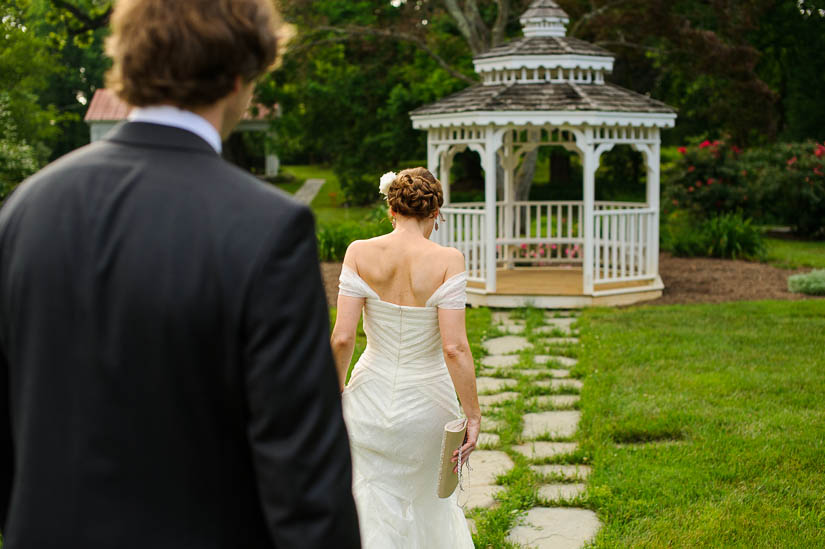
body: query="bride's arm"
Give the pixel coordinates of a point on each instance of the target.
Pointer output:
(460, 364)
(343, 335)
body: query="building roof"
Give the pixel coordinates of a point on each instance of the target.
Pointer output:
(545, 97)
(108, 107)
(546, 45)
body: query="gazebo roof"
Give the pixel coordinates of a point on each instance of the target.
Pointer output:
(545, 97)
(547, 75)
(546, 45)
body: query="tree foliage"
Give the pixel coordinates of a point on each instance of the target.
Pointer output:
(748, 71)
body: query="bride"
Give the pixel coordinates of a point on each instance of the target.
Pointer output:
(403, 388)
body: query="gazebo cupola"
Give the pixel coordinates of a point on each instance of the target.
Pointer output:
(548, 89)
(544, 19)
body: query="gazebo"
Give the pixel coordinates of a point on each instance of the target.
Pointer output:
(548, 89)
(106, 110)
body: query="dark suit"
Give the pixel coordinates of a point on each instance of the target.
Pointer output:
(166, 376)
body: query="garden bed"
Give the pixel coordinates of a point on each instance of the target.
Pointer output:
(687, 280)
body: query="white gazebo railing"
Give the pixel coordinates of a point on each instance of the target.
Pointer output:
(464, 229)
(551, 233)
(623, 245)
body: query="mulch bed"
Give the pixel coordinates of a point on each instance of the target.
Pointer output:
(687, 280)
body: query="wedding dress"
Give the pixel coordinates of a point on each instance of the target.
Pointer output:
(397, 401)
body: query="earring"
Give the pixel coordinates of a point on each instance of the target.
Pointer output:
(436, 225)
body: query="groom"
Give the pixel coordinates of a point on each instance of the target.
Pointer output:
(165, 376)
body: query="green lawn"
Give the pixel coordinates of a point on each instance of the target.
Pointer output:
(796, 254)
(706, 424)
(328, 204)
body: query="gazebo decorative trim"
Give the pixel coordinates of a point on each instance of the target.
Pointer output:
(548, 90)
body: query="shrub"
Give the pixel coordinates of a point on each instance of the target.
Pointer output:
(707, 181)
(812, 283)
(334, 238)
(725, 236)
(782, 183)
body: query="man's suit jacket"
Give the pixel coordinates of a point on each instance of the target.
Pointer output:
(166, 379)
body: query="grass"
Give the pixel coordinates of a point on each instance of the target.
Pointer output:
(328, 205)
(720, 412)
(795, 254)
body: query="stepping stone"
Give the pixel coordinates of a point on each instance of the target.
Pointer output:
(561, 341)
(550, 330)
(556, 424)
(556, 528)
(500, 361)
(506, 345)
(529, 372)
(541, 450)
(557, 401)
(563, 360)
(479, 496)
(552, 372)
(492, 384)
(569, 472)
(488, 439)
(501, 316)
(487, 465)
(488, 425)
(561, 492)
(512, 329)
(559, 384)
(488, 401)
(573, 313)
(561, 323)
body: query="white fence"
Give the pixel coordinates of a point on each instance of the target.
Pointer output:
(623, 245)
(464, 230)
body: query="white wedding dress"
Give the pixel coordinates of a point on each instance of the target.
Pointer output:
(397, 401)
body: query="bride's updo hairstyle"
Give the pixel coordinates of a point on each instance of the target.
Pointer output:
(415, 193)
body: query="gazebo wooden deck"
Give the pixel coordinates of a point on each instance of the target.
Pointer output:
(547, 89)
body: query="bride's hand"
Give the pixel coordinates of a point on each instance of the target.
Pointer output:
(473, 429)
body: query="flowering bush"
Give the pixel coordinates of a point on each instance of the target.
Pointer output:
(783, 183)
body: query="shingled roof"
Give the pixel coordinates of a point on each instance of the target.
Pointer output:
(546, 45)
(544, 8)
(545, 97)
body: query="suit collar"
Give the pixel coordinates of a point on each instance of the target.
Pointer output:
(157, 136)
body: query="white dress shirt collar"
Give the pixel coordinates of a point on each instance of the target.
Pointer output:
(166, 115)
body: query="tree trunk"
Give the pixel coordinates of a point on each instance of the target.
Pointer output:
(524, 177)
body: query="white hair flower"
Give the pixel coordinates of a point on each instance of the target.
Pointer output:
(386, 181)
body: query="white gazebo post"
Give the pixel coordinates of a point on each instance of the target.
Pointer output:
(589, 165)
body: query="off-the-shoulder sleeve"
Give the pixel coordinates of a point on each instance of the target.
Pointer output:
(352, 285)
(452, 294)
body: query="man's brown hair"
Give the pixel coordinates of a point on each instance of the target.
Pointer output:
(188, 53)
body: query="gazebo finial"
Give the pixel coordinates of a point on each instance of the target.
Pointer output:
(544, 18)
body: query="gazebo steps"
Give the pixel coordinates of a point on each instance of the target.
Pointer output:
(558, 288)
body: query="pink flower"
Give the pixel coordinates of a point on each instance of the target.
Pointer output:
(736, 149)
(698, 184)
(705, 144)
(524, 246)
(553, 246)
(691, 169)
(675, 202)
(792, 161)
(682, 150)
(818, 170)
(691, 189)
(820, 150)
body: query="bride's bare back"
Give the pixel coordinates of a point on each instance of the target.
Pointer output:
(404, 269)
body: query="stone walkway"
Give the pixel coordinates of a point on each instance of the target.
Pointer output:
(309, 190)
(546, 434)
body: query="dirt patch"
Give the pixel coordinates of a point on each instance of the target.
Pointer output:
(703, 280)
(687, 280)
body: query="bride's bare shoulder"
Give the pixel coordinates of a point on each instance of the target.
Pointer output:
(452, 258)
